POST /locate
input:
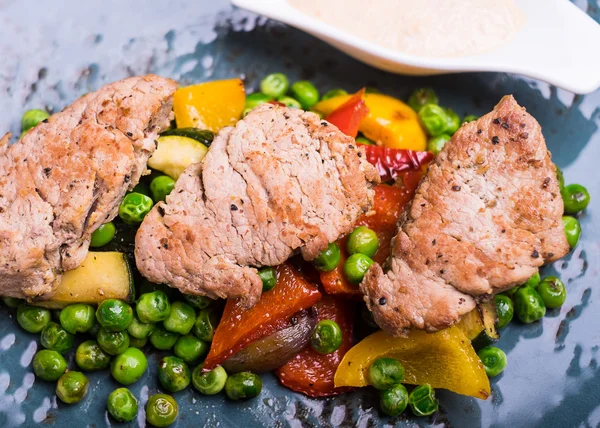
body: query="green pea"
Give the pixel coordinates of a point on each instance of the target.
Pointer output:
(190, 349)
(31, 118)
(114, 315)
(129, 367)
(134, 342)
(113, 342)
(198, 302)
(209, 383)
(529, 305)
(422, 400)
(153, 307)
(470, 118)
(161, 410)
(560, 177)
(11, 302)
(77, 318)
(122, 405)
(49, 365)
(89, 356)
(134, 208)
(138, 329)
(206, 323)
(256, 99)
(326, 337)
(103, 235)
(452, 121)
(493, 359)
(361, 139)
(436, 144)
(393, 401)
(306, 93)
(572, 230)
(163, 339)
(328, 259)
(32, 318)
(505, 310)
(268, 277)
(181, 319)
(246, 111)
(72, 387)
(534, 280)
(161, 186)
(243, 385)
(434, 119)
(56, 338)
(173, 374)
(422, 97)
(364, 241)
(356, 267)
(289, 102)
(95, 328)
(553, 292)
(275, 85)
(385, 373)
(333, 93)
(575, 198)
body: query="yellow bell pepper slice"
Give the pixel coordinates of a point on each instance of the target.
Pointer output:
(390, 122)
(444, 359)
(210, 105)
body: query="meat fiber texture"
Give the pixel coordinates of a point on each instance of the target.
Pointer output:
(280, 182)
(67, 176)
(486, 216)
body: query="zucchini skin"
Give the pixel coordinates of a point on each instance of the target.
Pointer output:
(204, 136)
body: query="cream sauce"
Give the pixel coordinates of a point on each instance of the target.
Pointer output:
(432, 28)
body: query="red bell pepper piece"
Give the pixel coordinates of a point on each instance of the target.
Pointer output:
(348, 116)
(391, 162)
(239, 327)
(312, 373)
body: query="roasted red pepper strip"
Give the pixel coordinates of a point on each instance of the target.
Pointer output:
(389, 204)
(239, 327)
(312, 373)
(392, 162)
(348, 116)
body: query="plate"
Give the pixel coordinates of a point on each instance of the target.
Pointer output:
(51, 56)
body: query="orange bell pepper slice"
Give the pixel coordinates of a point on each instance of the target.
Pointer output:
(312, 373)
(239, 327)
(350, 114)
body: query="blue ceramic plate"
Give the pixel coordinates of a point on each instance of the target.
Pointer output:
(53, 52)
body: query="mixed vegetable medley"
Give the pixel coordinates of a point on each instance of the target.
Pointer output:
(305, 326)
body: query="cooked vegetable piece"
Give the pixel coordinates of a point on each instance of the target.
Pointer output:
(161, 186)
(11, 302)
(390, 122)
(89, 356)
(139, 329)
(205, 324)
(134, 342)
(181, 319)
(275, 85)
(201, 135)
(311, 372)
(350, 114)
(134, 208)
(113, 342)
(174, 154)
(421, 97)
(238, 327)
(364, 140)
(534, 280)
(422, 401)
(444, 359)
(101, 276)
(33, 319)
(49, 365)
(470, 118)
(393, 401)
(328, 259)
(161, 410)
(122, 405)
(572, 230)
(211, 382)
(129, 367)
(493, 359)
(72, 387)
(436, 144)
(209, 105)
(163, 339)
(471, 324)
(153, 307)
(243, 386)
(505, 309)
(552, 291)
(198, 302)
(268, 277)
(256, 99)
(434, 119)
(306, 93)
(385, 372)
(363, 240)
(327, 337)
(289, 102)
(356, 266)
(452, 121)
(56, 338)
(560, 177)
(173, 374)
(103, 235)
(489, 317)
(576, 198)
(190, 349)
(31, 118)
(114, 315)
(333, 93)
(529, 305)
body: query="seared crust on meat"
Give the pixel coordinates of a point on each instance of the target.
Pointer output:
(67, 176)
(484, 218)
(279, 182)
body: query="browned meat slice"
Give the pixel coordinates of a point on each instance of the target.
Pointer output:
(279, 182)
(68, 175)
(484, 218)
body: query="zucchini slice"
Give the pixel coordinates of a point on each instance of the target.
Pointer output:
(175, 153)
(489, 317)
(203, 136)
(101, 276)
